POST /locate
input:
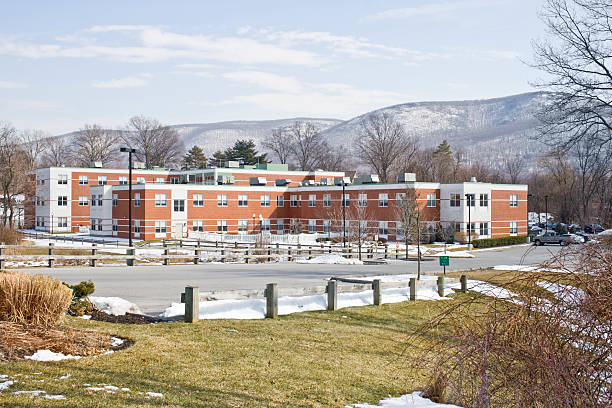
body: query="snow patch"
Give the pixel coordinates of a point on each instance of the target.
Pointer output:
(116, 341)
(414, 400)
(48, 355)
(330, 260)
(114, 305)
(6, 384)
(155, 394)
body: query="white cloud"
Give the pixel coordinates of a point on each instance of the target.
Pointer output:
(266, 80)
(432, 9)
(194, 66)
(118, 27)
(127, 82)
(11, 85)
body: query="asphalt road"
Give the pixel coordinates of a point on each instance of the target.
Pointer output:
(153, 288)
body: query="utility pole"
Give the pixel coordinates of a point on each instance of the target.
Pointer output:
(418, 244)
(129, 151)
(468, 200)
(343, 202)
(546, 213)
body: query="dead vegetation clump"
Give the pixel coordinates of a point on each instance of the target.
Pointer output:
(551, 346)
(33, 299)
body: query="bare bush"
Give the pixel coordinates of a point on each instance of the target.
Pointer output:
(551, 346)
(33, 299)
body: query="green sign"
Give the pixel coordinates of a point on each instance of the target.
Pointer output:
(444, 261)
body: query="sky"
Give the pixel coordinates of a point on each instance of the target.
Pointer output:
(67, 63)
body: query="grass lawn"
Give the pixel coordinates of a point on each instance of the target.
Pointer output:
(313, 359)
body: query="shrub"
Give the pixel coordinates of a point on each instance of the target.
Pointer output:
(9, 236)
(500, 241)
(79, 305)
(34, 299)
(462, 237)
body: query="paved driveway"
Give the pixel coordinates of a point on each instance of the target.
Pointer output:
(153, 288)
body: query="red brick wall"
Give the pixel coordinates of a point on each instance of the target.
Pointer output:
(502, 213)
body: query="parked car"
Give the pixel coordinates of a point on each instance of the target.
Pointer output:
(574, 228)
(551, 237)
(593, 229)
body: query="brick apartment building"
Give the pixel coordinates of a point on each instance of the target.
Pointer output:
(252, 199)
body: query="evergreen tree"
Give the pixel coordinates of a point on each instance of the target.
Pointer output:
(195, 158)
(219, 158)
(443, 149)
(244, 151)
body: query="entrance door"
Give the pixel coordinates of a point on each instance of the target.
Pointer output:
(178, 230)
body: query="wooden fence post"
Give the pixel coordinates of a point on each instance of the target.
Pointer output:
(196, 255)
(386, 251)
(51, 260)
(1, 255)
(332, 295)
(377, 291)
(192, 304)
(165, 261)
(441, 286)
(130, 252)
(246, 256)
(413, 288)
(463, 281)
(94, 251)
(271, 294)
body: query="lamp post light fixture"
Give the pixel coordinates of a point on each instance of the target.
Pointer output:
(130, 151)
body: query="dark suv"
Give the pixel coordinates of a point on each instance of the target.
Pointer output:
(593, 229)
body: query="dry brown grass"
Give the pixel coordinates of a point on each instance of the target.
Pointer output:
(34, 299)
(18, 340)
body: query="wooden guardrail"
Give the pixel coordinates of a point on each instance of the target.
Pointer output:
(192, 297)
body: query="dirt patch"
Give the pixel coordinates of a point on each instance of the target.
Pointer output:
(128, 318)
(18, 340)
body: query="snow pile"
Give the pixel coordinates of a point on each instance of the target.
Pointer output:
(526, 268)
(114, 305)
(41, 393)
(330, 260)
(566, 293)
(116, 341)
(256, 308)
(4, 385)
(48, 355)
(154, 394)
(414, 400)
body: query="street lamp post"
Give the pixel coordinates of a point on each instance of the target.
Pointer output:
(468, 200)
(129, 151)
(343, 202)
(546, 213)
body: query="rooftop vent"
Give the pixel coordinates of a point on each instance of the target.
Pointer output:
(473, 180)
(367, 179)
(95, 164)
(257, 181)
(282, 182)
(327, 181)
(232, 164)
(225, 179)
(406, 177)
(339, 180)
(308, 183)
(138, 165)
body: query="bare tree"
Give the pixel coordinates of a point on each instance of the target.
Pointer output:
(155, 144)
(33, 144)
(14, 165)
(56, 152)
(334, 159)
(94, 144)
(408, 214)
(306, 144)
(514, 166)
(381, 143)
(279, 142)
(576, 61)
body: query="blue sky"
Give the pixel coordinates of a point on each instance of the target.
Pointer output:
(67, 63)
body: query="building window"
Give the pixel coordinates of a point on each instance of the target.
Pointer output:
(100, 200)
(243, 225)
(62, 222)
(312, 226)
(431, 199)
(312, 200)
(221, 200)
(83, 180)
(123, 180)
(198, 225)
(383, 200)
(326, 200)
(222, 226)
(265, 200)
(62, 200)
(484, 200)
(243, 200)
(137, 200)
(383, 227)
(471, 228)
(399, 197)
(458, 227)
(160, 227)
(137, 226)
(160, 200)
(62, 179)
(140, 180)
(484, 228)
(83, 201)
(93, 200)
(115, 200)
(198, 200)
(102, 180)
(455, 200)
(513, 227)
(470, 200)
(280, 201)
(179, 205)
(362, 200)
(326, 226)
(346, 200)
(160, 180)
(265, 225)
(114, 225)
(399, 230)
(293, 201)
(92, 225)
(513, 200)
(280, 226)
(175, 180)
